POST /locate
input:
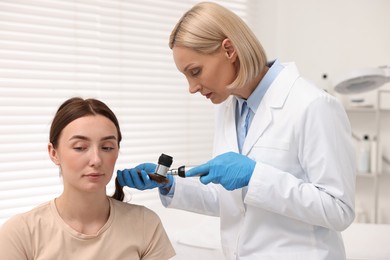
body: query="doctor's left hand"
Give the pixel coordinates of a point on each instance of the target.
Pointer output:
(231, 170)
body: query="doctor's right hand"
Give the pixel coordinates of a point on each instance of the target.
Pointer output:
(231, 170)
(138, 177)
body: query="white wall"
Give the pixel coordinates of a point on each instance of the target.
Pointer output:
(325, 36)
(332, 37)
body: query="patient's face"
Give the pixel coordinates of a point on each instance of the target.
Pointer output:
(86, 153)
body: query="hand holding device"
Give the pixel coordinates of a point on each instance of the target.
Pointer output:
(231, 170)
(143, 177)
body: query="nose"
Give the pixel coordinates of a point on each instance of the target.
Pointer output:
(194, 87)
(95, 158)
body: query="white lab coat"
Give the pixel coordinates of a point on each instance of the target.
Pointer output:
(301, 193)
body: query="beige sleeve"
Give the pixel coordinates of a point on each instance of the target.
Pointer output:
(157, 244)
(15, 239)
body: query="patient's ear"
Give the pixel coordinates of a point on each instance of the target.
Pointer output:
(53, 153)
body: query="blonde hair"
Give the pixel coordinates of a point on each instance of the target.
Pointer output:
(206, 25)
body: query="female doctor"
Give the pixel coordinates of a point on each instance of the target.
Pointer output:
(283, 174)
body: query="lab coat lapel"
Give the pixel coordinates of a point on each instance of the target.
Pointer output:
(274, 98)
(262, 119)
(230, 124)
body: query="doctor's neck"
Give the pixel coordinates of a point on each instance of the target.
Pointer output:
(248, 89)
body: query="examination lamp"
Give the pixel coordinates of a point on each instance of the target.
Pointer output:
(362, 80)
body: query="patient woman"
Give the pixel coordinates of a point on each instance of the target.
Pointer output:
(83, 222)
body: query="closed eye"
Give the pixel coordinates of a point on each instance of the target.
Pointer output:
(195, 72)
(79, 148)
(107, 148)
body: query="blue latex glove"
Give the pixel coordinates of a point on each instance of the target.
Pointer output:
(131, 178)
(231, 170)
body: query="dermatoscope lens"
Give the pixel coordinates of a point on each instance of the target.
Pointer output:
(164, 163)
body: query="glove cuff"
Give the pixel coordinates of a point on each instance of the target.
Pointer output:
(169, 183)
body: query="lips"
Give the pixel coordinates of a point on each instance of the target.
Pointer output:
(93, 175)
(207, 95)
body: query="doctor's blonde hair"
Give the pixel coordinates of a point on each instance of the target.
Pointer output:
(206, 25)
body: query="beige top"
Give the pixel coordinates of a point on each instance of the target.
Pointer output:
(131, 232)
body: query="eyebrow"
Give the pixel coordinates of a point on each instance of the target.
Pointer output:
(110, 137)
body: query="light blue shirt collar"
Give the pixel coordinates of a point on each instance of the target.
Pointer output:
(255, 98)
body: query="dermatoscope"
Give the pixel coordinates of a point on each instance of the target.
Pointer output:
(162, 169)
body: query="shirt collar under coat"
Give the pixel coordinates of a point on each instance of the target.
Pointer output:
(254, 100)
